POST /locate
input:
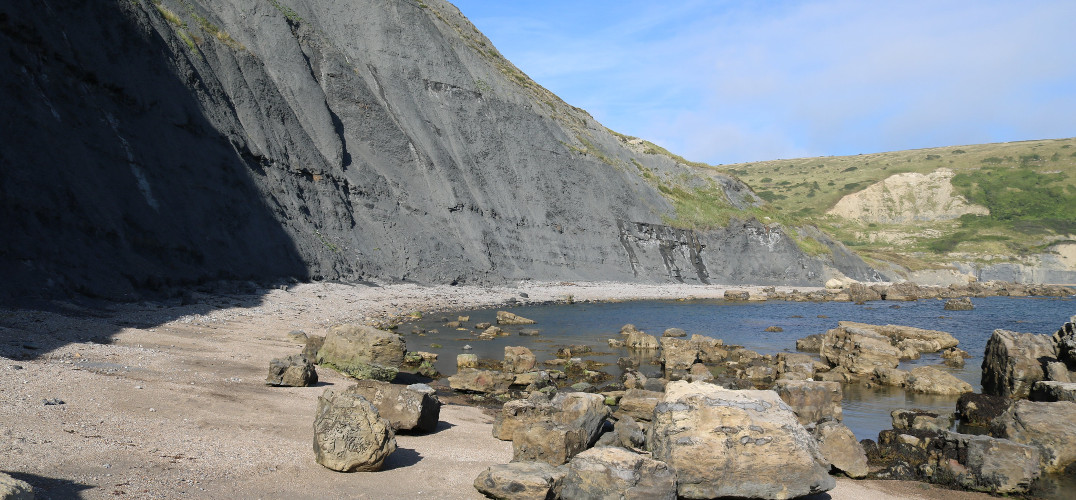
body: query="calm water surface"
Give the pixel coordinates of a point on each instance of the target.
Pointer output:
(866, 412)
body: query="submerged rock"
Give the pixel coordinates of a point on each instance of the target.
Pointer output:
(507, 318)
(961, 304)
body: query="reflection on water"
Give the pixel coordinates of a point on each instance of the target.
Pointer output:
(866, 412)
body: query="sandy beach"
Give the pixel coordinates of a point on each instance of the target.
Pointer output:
(168, 400)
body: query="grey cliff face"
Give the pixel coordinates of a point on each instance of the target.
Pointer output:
(152, 145)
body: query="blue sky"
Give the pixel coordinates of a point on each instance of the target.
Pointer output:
(736, 81)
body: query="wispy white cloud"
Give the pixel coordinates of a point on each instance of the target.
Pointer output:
(742, 81)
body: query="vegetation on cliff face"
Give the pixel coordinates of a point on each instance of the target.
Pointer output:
(1029, 188)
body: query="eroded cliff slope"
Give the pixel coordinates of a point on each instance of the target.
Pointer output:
(156, 144)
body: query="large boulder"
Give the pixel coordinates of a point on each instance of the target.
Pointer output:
(839, 447)
(519, 413)
(485, 381)
(923, 340)
(617, 474)
(641, 341)
(746, 444)
(930, 380)
(677, 355)
(414, 407)
(812, 401)
(362, 352)
(1013, 362)
(1050, 427)
(507, 318)
(293, 371)
(15, 489)
(557, 431)
(349, 434)
(518, 360)
(858, 350)
(520, 481)
(984, 463)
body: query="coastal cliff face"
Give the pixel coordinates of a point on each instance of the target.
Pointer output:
(159, 144)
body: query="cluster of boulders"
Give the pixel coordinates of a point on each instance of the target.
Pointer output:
(1017, 439)
(872, 354)
(689, 440)
(355, 428)
(838, 290)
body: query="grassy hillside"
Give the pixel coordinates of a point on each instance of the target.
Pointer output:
(1029, 188)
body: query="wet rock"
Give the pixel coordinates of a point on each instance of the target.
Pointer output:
(810, 343)
(483, 325)
(925, 341)
(628, 329)
(980, 409)
(407, 408)
(745, 444)
(1013, 362)
(774, 329)
(1050, 391)
(464, 361)
(518, 360)
(858, 350)
(507, 318)
(520, 481)
(349, 434)
(813, 402)
(1065, 340)
(839, 447)
(674, 332)
(641, 341)
(894, 377)
(492, 332)
(529, 332)
(920, 420)
(961, 304)
(1050, 427)
(639, 404)
(930, 380)
(292, 371)
(737, 295)
(362, 352)
(616, 473)
(15, 489)
(485, 381)
(984, 463)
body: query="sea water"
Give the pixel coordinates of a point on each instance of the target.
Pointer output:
(866, 411)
